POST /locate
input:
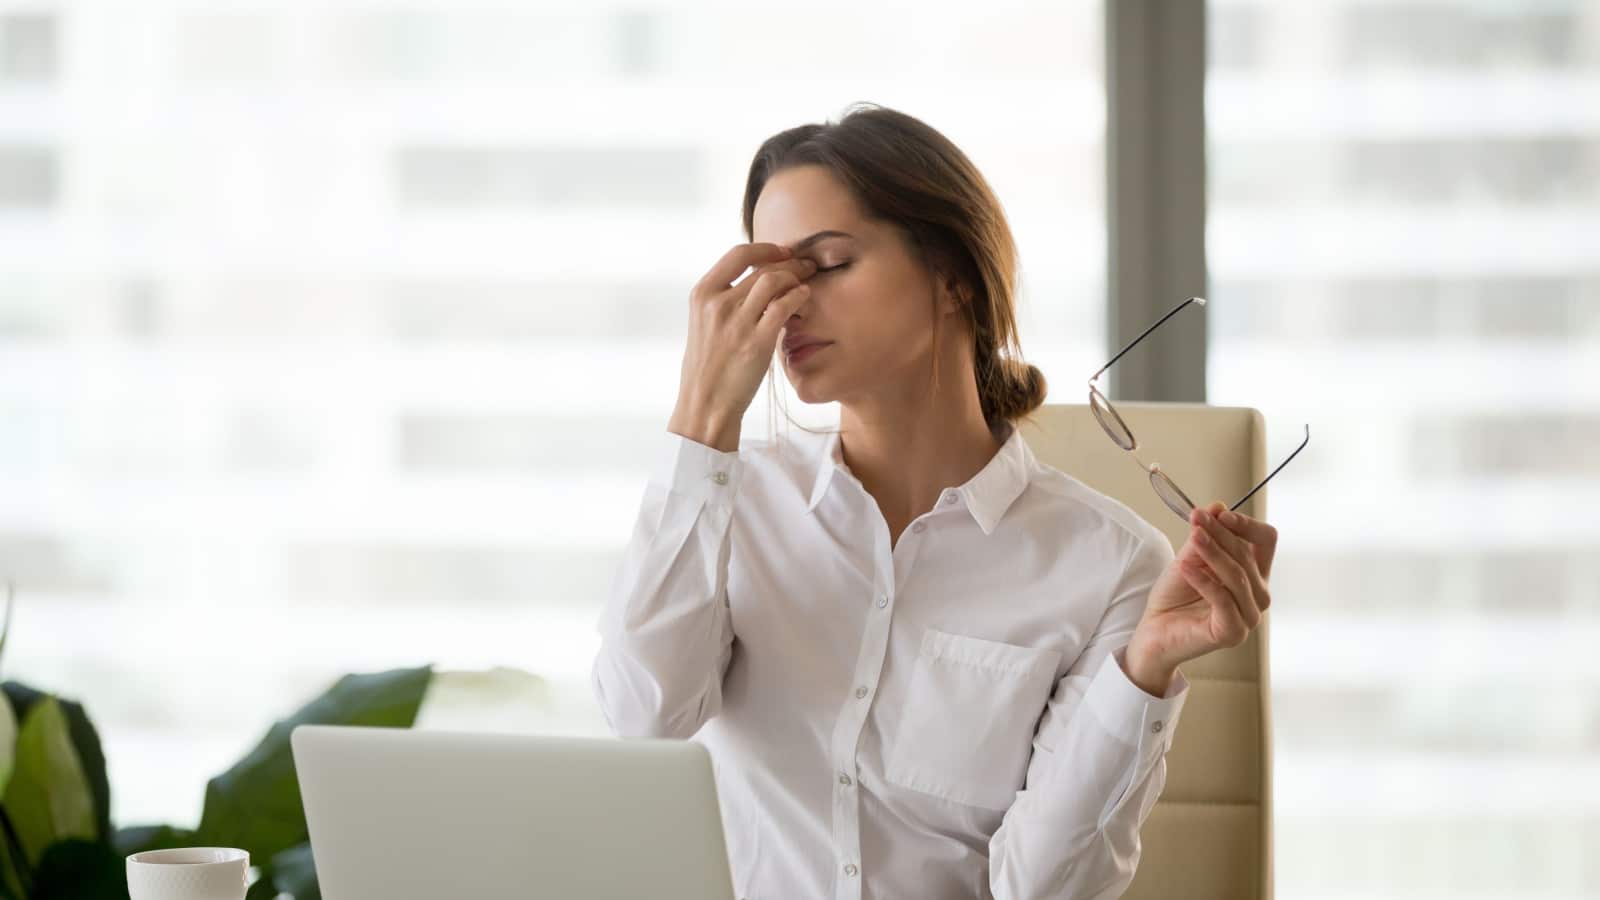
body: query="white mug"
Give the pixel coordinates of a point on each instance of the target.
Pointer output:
(188, 873)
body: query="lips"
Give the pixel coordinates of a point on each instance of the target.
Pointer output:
(791, 344)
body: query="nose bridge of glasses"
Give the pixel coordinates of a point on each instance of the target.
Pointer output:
(1150, 467)
(1167, 489)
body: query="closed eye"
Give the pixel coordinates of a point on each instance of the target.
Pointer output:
(835, 268)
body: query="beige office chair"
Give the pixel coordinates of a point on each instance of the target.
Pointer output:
(1210, 834)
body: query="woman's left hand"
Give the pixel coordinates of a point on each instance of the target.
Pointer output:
(1210, 597)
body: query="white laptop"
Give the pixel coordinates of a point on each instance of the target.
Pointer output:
(401, 814)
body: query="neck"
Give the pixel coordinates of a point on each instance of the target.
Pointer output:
(906, 449)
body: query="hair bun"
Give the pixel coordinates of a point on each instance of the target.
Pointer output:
(1021, 390)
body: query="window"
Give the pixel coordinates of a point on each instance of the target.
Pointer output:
(27, 48)
(1404, 233)
(345, 365)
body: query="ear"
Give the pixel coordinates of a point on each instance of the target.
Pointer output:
(952, 296)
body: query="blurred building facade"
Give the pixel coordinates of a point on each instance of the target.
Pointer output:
(332, 335)
(1404, 250)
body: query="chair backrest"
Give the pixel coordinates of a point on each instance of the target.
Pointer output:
(1210, 834)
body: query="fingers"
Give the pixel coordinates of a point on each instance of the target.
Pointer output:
(1257, 532)
(740, 257)
(1253, 530)
(765, 286)
(1234, 629)
(1239, 546)
(1235, 578)
(776, 313)
(1232, 544)
(801, 268)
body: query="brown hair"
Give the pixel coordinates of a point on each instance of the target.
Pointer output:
(904, 172)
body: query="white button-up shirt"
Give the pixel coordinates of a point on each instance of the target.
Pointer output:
(947, 717)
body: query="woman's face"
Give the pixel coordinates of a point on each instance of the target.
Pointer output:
(876, 312)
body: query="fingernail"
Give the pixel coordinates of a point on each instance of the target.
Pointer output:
(1202, 537)
(1204, 517)
(1229, 518)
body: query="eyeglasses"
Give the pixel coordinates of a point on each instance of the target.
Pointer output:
(1166, 488)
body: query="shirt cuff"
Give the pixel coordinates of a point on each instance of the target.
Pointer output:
(1135, 718)
(688, 467)
(1132, 716)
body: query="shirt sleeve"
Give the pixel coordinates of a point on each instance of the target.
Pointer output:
(665, 633)
(1098, 763)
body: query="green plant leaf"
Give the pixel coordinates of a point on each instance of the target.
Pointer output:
(8, 742)
(263, 889)
(294, 873)
(80, 870)
(15, 876)
(11, 887)
(48, 798)
(256, 804)
(85, 740)
(139, 838)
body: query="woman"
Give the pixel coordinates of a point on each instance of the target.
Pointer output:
(925, 664)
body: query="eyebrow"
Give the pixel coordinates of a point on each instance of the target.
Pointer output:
(819, 236)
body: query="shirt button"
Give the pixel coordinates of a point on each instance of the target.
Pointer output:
(949, 498)
(720, 478)
(844, 780)
(883, 600)
(918, 527)
(1156, 726)
(861, 692)
(850, 869)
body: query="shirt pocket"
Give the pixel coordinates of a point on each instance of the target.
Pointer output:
(966, 730)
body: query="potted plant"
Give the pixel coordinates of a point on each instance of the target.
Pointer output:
(56, 837)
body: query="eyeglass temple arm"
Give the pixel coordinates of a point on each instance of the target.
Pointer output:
(1170, 314)
(1264, 481)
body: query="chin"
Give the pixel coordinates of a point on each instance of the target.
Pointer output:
(813, 397)
(808, 389)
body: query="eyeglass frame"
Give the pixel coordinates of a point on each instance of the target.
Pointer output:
(1098, 400)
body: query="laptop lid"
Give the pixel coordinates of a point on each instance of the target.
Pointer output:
(402, 814)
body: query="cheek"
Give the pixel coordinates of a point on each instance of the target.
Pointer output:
(898, 326)
(876, 308)
(881, 341)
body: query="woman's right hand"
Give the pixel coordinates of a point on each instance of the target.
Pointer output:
(733, 332)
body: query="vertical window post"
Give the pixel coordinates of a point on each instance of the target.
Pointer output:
(1155, 194)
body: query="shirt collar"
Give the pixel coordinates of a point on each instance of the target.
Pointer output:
(987, 494)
